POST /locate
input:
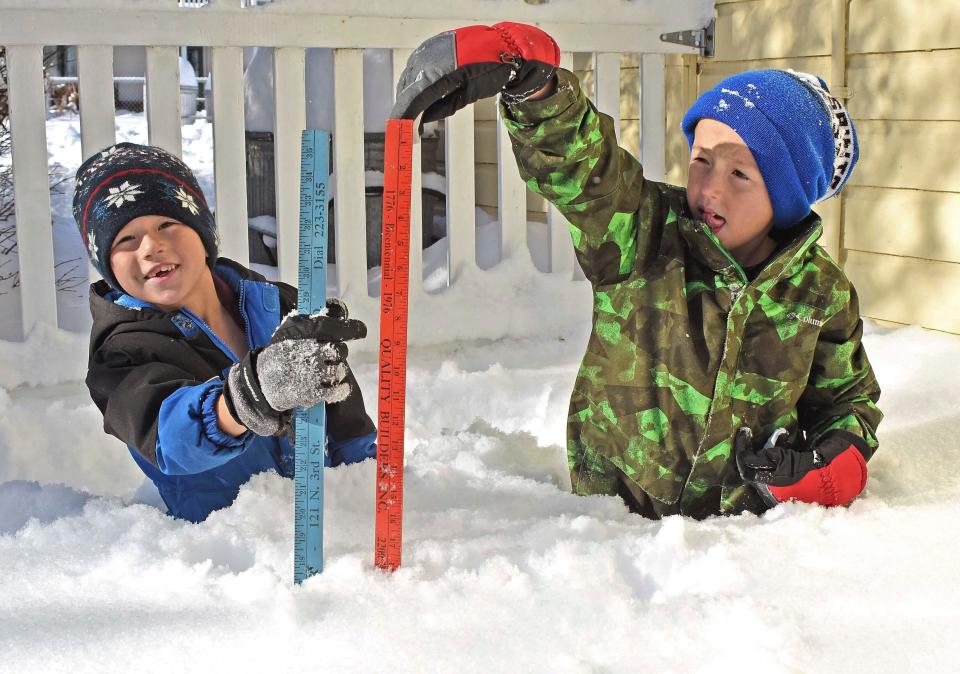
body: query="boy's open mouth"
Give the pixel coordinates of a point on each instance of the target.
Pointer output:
(714, 221)
(161, 271)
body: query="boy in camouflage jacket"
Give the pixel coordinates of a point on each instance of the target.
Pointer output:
(717, 318)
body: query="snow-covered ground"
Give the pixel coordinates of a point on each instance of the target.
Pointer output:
(503, 569)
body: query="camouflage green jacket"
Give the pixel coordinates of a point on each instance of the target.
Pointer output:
(684, 350)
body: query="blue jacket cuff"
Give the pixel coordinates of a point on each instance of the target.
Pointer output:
(351, 450)
(189, 440)
(208, 412)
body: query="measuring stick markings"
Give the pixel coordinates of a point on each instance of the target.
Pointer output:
(310, 424)
(393, 343)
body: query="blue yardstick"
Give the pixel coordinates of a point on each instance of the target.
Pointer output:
(311, 424)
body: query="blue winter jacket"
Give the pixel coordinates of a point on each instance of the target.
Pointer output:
(156, 377)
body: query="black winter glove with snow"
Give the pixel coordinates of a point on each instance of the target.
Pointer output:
(305, 363)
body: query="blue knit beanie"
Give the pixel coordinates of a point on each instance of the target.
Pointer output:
(801, 137)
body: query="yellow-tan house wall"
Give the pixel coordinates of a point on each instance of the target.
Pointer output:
(894, 228)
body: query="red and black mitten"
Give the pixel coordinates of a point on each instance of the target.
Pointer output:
(831, 473)
(458, 67)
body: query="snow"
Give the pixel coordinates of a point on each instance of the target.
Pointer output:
(503, 568)
(188, 78)
(747, 103)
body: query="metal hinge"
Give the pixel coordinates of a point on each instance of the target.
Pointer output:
(702, 38)
(253, 3)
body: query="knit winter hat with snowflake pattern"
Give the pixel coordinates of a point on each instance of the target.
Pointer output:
(800, 135)
(126, 181)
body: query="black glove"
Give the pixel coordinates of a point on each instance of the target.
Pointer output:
(304, 364)
(456, 68)
(777, 463)
(832, 472)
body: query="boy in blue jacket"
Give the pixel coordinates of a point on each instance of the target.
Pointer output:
(197, 362)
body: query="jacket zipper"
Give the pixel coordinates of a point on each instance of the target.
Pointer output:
(211, 334)
(734, 296)
(243, 313)
(733, 263)
(241, 296)
(735, 291)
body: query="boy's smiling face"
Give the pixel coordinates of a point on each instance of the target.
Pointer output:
(726, 190)
(161, 261)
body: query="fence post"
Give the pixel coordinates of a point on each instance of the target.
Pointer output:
(95, 91)
(289, 66)
(562, 260)
(400, 57)
(229, 153)
(350, 206)
(163, 98)
(653, 117)
(607, 87)
(31, 185)
(461, 193)
(511, 199)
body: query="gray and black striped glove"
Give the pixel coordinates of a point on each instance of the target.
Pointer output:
(461, 66)
(305, 363)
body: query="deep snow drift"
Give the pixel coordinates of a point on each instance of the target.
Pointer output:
(503, 569)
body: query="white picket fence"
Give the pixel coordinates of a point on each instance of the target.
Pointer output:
(605, 28)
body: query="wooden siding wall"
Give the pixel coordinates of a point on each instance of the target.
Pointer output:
(895, 227)
(901, 228)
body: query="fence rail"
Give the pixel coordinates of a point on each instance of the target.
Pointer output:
(290, 27)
